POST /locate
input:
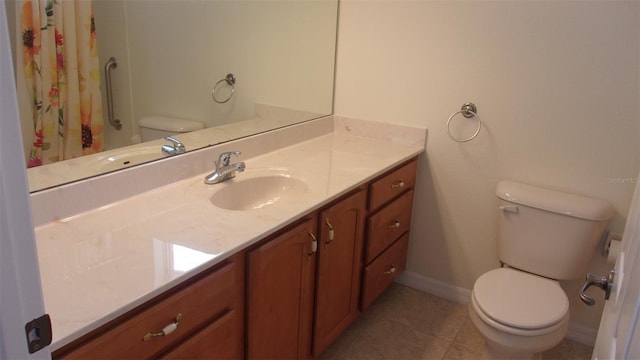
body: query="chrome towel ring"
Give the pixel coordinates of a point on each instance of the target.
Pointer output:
(467, 110)
(230, 79)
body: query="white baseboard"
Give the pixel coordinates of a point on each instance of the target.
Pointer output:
(579, 333)
(582, 334)
(435, 287)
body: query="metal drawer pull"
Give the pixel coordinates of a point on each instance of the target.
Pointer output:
(395, 225)
(165, 331)
(314, 244)
(331, 232)
(397, 184)
(391, 270)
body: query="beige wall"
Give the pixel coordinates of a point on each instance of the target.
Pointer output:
(173, 53)
(556, 85)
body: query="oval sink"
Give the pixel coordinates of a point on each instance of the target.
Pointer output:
(258, 192)
(121, 159)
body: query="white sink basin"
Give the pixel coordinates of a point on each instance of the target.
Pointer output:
(253, 189)
(114, 160)
(258, 192)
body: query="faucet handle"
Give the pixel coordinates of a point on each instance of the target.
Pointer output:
(225, 157)
(176, 143)
(176, 148)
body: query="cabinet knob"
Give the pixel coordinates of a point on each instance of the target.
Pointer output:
(395, 225)
(165, 330)
(398, 184)
(391, 270)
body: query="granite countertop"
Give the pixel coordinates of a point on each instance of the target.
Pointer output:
(98, 264)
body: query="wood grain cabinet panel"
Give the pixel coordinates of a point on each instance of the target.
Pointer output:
(392, 184)
(388, 224)
(280, 294)
(339, 267)
(199, 302)
(384, 270)
(222, 339)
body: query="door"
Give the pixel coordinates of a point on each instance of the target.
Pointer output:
(619, 333)
(280, 287)
(20, 290)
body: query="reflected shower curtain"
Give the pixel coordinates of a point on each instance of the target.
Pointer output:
(57, 44)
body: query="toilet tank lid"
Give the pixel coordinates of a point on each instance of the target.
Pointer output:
(578, 206)
(170, 124)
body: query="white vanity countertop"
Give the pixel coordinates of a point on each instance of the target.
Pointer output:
(99, 264)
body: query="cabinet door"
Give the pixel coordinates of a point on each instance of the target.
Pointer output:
(280, 294)
(339, 263)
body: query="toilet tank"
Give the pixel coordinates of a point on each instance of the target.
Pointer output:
(158, 127)
(546, 232)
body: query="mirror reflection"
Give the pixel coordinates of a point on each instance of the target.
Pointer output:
(202, 71)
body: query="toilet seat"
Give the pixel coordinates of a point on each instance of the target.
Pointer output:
(519, 301)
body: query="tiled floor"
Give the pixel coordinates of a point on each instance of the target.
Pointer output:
(405, 323)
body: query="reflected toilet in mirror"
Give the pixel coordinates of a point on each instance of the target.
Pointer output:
(159, 127)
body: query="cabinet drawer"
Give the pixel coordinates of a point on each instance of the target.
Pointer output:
(223, 339)
(384, 227)
(199, 302)
(392, 184)
(382, 271)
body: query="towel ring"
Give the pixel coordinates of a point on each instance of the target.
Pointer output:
(230, 79)
(467, 110)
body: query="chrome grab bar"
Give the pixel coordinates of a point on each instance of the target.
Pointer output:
(112, 63)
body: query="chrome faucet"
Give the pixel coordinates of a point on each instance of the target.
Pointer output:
(175, 149)
(225, 170)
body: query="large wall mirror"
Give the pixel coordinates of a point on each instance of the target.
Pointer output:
(171, 54)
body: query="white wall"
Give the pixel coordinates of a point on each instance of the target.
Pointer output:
(282, 54)
(556, 85)
(111, 29)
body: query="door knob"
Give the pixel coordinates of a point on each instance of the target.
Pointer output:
(603, 282)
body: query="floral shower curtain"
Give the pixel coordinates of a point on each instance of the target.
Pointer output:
(61, 78)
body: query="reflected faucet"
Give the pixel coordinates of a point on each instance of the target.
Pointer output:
(175, 149)
(225, 170)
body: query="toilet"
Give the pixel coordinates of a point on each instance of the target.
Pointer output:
(159, 127)
(544, 236)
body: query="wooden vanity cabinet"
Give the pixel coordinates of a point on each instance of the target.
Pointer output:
(341, 229)
(301, 296)
(304, 285)
(387, 235)
(280, 288)
(210, 325)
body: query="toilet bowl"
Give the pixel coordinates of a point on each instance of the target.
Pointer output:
(518, 314)
(544, 236)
